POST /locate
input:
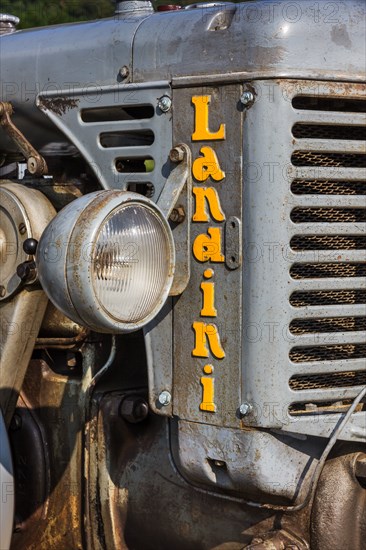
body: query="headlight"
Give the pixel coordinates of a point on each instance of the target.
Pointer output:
(107, 260)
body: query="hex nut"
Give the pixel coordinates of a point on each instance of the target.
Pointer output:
(176, 154)
(177, 215)
(134, 409)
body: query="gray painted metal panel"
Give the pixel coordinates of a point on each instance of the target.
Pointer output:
(86, 136)
(253, 38)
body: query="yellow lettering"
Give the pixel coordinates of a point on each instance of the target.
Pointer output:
(207, 333)
(207, 165)
(208, 390)
(208, 247)
(201, 131)
(208, 290)
(213, 201)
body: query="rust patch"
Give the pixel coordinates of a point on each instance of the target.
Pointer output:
(59, 105)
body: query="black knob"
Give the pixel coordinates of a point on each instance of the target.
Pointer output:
(30, 246)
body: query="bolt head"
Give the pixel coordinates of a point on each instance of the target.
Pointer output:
(247, 98)
(178, 215)
(164, 103)
(176, 154)
(165, 398)
(124, 71)
(245, 409)
(134, 409)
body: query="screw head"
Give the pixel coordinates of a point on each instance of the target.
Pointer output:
(164, 103)
(245, 409)
(22, 228)
(165, 398)
(124, 71)
(247, 98)
(2, 291)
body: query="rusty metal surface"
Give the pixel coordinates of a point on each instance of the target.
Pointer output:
(141, 500)
(338, 516)
(35, 162)
(46, 441)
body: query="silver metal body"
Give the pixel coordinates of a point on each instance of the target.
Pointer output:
(286, 80)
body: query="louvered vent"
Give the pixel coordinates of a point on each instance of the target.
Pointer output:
(329, 245)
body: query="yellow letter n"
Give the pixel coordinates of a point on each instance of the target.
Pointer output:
(207, 338)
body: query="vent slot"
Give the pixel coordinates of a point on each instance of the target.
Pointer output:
(109, 114)
(327, 297)
(328, 242)
(335, 352)
(328, 187)
(317, 158)
(331, 215)
(328, 131)
(133, 165)
(136, 138)
(319, 271)
(317, 103)
(327, 324)
(329, 380)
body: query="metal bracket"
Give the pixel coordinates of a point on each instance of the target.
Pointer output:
(178, 187)
(36, 164)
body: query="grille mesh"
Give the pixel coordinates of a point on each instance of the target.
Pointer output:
(327, 324)
(328, 242)
(328, 131)
(318, 271)
(330, 215)
(335, 352)
(327, 297)
(328, 187)
(328, 380)
(314, 158)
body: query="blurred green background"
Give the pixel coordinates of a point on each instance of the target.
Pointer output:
(36, 13)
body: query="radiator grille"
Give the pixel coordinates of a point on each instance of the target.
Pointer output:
(327, 297)
(333, 380)
(330, 324)
(319, 271)
(328, 131)
(317, 158)
(328, 242)
(328, 215)
(343, 181)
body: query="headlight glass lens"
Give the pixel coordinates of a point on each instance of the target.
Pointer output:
(131, 263)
